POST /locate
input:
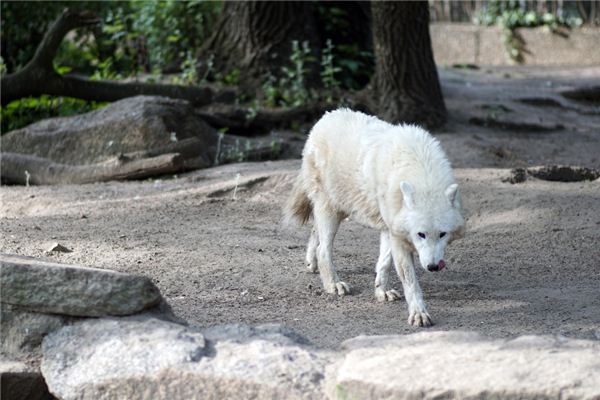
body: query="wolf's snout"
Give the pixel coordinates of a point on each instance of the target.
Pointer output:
(436, 267)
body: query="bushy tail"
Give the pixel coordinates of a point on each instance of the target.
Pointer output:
(298, 207)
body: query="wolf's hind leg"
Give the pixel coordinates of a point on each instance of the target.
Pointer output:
(311, 251)
(384, 264)
(327, 222)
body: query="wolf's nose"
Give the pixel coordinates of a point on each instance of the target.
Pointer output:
(432, 267)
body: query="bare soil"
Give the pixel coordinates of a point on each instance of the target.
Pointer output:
(212, 240)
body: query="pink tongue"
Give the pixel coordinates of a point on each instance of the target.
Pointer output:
(441, 265)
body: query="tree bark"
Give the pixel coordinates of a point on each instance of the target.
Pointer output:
(255, 37)
(406, 84)
(39, 77)
(28, 169)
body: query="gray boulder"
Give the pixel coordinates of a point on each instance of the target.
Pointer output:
(22, 331)
(458, 365)
(73, 290)
(144, 358)
(130, 125)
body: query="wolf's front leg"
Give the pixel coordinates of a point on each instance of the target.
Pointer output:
(327, 222)
(311, 251)
(403, 261)
(384, 264)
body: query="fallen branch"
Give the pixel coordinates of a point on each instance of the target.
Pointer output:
(28, 169)
(39, 77)
(242, 122)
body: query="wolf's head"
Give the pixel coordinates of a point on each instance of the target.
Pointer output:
(429, 221)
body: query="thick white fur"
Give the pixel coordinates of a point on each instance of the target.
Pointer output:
(395, 178)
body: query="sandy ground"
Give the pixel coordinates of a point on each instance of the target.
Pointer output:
(530, 262)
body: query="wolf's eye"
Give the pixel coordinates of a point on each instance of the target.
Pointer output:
(421, 235)
(442, 234)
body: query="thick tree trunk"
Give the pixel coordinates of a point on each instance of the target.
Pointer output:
(255, 37)
(406, 83)
(39, 77)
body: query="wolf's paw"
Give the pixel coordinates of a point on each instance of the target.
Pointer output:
(340, 288)
(386, 295)
(419, 318)
(312, 268)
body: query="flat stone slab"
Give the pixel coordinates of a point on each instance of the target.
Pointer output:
(145, 358)
(459, 365)
(73, 290)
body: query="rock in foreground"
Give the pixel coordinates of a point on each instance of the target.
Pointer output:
(73, 290)
(145, 358)
(457, 365)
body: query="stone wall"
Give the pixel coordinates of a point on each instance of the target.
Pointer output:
(471, 44)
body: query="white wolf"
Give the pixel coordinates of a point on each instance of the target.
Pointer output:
(395, 178)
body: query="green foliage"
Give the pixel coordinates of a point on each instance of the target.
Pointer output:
(189, 71)
(171, 28)
(270, 91)
(24, 23)
(328, 69)
(134, 36)
(137, 35)
(2, 67)
(293, 82)
(290, 89)
(20, 113)
(510, 16)
(232, 78)
(352, 50)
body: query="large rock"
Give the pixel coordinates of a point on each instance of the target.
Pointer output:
(144, 358)
(22, 331)
(457, 365)
(73, 290)
(125, 126)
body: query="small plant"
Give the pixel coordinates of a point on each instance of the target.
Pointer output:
(208, 68)
(232, 78)
(270, 91)
(293, 83)
(328, 70)
(275, 146)
(2, 67)
(189, 70)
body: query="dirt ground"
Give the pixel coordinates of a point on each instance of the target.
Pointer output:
(212, 240)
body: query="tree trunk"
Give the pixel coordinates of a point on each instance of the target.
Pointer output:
(255, 37)
(406, 83)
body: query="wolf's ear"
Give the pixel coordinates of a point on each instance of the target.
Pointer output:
(407, 194)
(452, 194)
